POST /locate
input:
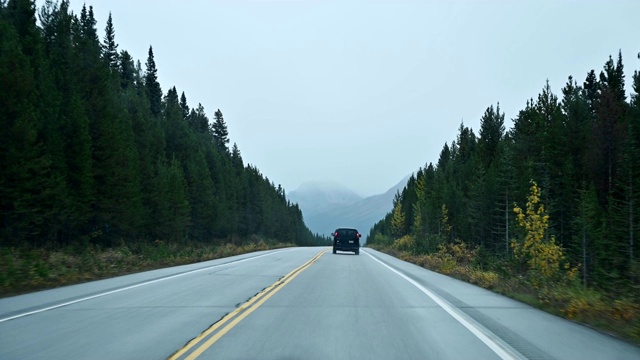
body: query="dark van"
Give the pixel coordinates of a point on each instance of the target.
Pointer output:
(345, 239)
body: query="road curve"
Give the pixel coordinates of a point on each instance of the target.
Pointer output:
(296, 303)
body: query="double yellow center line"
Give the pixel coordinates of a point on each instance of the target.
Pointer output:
(219, 329)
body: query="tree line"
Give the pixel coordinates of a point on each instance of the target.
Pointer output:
(581, 149)
(93, 151)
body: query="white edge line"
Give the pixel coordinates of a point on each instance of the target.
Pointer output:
(132, 287)
(481, 333)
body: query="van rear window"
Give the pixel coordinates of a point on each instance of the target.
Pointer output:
(347, 233)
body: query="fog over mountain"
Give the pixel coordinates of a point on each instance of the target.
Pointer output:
(326, 206)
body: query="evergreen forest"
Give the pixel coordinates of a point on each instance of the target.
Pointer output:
(93, 152)
(572, 159)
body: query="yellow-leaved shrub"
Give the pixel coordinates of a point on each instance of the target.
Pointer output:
(544, 258)
(405, 243)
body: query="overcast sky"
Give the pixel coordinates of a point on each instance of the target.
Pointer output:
(363, 93)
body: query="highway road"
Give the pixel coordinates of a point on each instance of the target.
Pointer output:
(296, 303)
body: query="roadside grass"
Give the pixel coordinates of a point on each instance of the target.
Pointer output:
(619, 316)
(26, 269)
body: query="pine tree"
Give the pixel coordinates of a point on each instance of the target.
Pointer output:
(236, 158)
(553, 164)
(220, 132)
(610, 111)
(199, 121)
(47, 15)
(444, 158)
(87, 38)
(491, 133)
(149, 144)
(419, 224)
(109, 46)
(464, 169)
(22, 16)
(578, 120)
(609, 144)
(592, 88)
(505, 189)
(127, 70)
(175, 127)
(154, 92)
(575, 107)
(398, 224)
(486, 187)
(184, 106)
(407, 198)
(435, 200)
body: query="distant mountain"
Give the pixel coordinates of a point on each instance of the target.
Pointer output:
(327, 206)
(317, 197)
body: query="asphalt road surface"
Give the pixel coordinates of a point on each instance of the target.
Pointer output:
(297, 303)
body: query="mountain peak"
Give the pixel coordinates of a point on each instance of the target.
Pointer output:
(323, 194)
(327, 205)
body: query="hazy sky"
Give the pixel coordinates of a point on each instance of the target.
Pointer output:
(363, 93)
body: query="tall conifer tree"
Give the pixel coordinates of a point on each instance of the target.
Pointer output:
(220, 132)
(154, 92)
(109, 46)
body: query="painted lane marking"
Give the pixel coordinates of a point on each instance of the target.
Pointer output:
(131, 287)
(239, 314)
(486, 336)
